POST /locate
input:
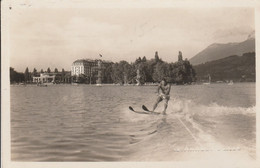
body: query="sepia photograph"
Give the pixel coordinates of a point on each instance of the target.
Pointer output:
(125, 84)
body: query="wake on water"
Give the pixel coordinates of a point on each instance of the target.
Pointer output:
(185, 133)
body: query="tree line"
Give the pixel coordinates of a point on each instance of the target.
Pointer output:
(150, 71)
(27, 77)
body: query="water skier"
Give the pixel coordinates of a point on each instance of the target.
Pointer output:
(164, 95)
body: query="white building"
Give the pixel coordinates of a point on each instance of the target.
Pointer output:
(83, 66)
(44, 78)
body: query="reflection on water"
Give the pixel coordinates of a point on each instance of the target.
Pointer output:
(88, 123)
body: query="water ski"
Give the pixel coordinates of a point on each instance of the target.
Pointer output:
(143, 112)
(147, 110)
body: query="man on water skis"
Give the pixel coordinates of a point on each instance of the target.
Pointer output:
(164, 95)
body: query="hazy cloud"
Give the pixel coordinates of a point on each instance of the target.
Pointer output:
(56, 37)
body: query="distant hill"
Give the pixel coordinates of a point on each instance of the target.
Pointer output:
(237, 68)
(217, 51)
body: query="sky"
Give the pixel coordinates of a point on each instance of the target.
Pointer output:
(55, 37)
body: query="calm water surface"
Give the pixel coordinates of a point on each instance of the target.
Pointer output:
(89, 123)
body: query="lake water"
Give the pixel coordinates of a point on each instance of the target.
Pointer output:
(90, 123)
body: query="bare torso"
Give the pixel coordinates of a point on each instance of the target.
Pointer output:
(165, 89)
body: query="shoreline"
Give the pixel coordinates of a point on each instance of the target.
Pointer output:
(110, 84)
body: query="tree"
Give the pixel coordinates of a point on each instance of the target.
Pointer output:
(16, 77)
(26, 75)
(74, 78)
(48, 70)
(107, 73)
(180, 56)
(67, 77)
(144, 59)
(116, 73)
(142, 68)
(161, 71)
(81, 78)
(56, 70)
(42, 71)
(156, 57)
(63, 75)
(150, 70)
(34, 72)
(182, 72)
(122, 72)
(12, 75)
(138, 60)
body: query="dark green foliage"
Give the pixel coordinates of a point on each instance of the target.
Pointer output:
(156, 57)
(56, 70)
(107, 73)
(27, 75)
(16, 77)
(82, 78)
(48, 70)
(34, 72)
(161, 70)
(155, 69)
(180, 72)
(63, 75)
(144, 59)
(123, 72)
(236, 68)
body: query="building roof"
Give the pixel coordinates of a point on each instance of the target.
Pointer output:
(89, 60)
(83, 60)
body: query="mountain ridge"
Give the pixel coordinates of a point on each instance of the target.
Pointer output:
(217, 51)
